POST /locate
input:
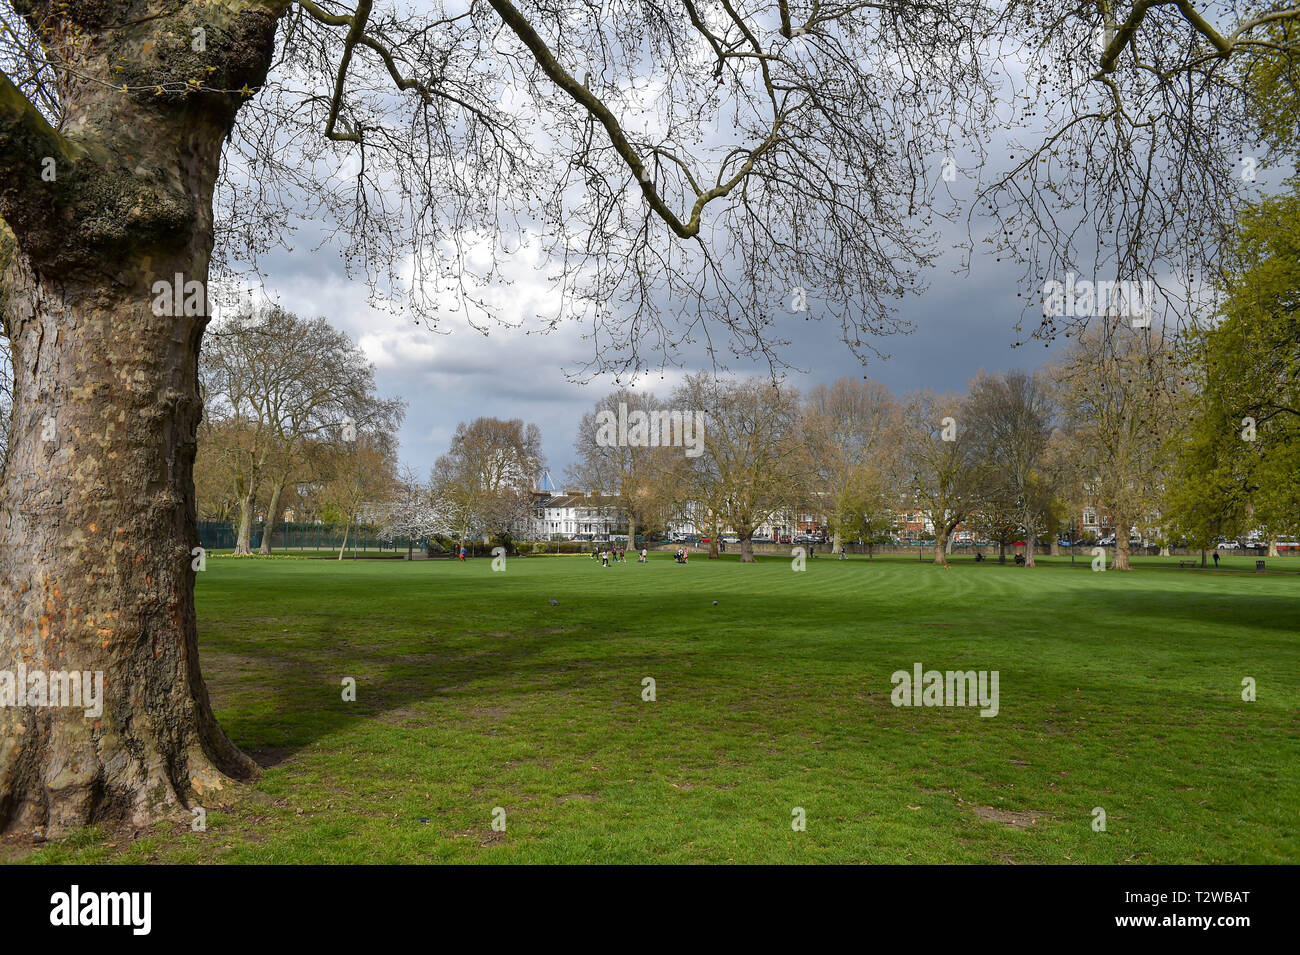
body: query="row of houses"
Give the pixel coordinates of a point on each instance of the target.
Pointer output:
(587, 515)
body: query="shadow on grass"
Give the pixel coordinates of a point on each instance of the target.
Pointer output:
(296, 698)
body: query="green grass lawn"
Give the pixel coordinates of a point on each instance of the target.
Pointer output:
(1119, 691)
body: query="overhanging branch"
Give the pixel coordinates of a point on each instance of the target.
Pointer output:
(28, 144)
(25, 134)
(1122, 34)
(516, 21)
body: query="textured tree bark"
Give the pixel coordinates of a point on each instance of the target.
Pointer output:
(747, 548)
(1031, 540)
(97, 518)
(273, 509)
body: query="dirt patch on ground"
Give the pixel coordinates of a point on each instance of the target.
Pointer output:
(484, 837)
(1016, 820)
(405, 716)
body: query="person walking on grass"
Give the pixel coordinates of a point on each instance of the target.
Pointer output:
(1216, 558)
(604, 557)
(641, 559)
(462, 553)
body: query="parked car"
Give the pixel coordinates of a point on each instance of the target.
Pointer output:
(731, 540)
(1107, 541)
(1228, 545)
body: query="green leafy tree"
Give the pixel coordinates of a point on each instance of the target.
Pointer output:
(1237, 467)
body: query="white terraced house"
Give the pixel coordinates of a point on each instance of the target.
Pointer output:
(573, 514)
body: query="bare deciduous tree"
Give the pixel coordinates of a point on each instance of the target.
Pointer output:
(845, 428)
(361, 474)
(637, 475)
(755, 464)
(1010, 418)
(1119, 389)
(938, 464)
(486, 479)
(280, 382)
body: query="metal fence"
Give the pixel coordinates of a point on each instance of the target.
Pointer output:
(221, 535)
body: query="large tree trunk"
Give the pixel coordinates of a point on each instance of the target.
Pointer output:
(97, 514)
(244, 535)
(1031, 539)
(272, 510)
(1121, 546)
(1272, 547)
(940, 545)
(747, 548)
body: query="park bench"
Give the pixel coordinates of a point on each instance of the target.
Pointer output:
(1188, 563)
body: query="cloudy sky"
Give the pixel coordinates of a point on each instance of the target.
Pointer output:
(963, 322)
